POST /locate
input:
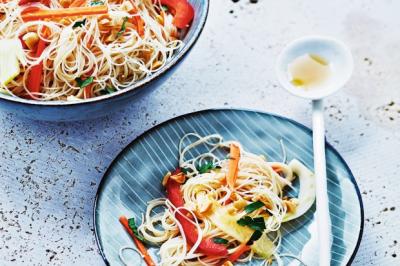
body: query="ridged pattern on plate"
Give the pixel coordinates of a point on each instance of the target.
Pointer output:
(134, 178)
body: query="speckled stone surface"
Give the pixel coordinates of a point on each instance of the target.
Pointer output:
(49, 172)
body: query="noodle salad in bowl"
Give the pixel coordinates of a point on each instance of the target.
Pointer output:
(223, 205)
(72, 50)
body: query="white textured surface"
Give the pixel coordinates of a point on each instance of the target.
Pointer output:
(50, 172)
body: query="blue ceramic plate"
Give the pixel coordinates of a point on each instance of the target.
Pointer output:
(135, 176)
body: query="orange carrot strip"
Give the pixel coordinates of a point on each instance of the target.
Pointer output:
(78, 3)
(227, 202)
(236, 255)
(142, 249)
(276, 169)
(233, 165)
(65, 12)
(140, 25)
(137, 20)
(90, 42)
(134, 10)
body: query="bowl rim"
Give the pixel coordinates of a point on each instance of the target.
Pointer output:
(131, 89)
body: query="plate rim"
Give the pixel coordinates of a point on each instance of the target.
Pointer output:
(157, 126)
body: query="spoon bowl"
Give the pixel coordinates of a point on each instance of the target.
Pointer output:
(332, 50)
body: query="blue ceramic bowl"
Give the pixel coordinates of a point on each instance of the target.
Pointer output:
(96, 107)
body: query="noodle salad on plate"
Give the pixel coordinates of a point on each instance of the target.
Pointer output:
(71, 50)
(223, 206)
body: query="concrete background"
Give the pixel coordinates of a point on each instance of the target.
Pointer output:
(49, 172)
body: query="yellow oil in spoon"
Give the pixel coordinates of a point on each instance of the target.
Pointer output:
(309, 71)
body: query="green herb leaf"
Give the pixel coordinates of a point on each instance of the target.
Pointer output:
(82, 83)
(253, 206)
(165, 8)
(257, 224)
(96, 3)
(244, 221)
(111, 89)
(219, 240)
(204, 168)
(79, 23)
(133, 227)
(108, 90)
(185, 170)
(254, 237)
(123, 27)
(254, 223)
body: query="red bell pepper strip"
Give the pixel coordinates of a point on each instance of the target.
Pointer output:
(87, 91)
(183, 12)
(207, 246)
(35, 76)
(22, 42)
(29, 9)
(239, 252)
(174, 194)
(24, 2)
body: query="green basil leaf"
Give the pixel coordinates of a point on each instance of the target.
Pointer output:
(96, 3)
(185, 170)
(165, 8)
(204, 168)
(82, 83)
(133, 227)
(111, 89)
(253, 206)
(257, 224)
(123, 27)
(254, 237)
(108, 90)
(79, 23)
(244, 221)
(219, 240)
(253, 223)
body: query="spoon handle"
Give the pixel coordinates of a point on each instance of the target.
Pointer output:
(323, 218)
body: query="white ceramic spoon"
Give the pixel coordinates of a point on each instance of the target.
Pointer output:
(341, 63)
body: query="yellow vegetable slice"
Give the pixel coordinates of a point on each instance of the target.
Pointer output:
(263, 247)
(11, 55)
(227, 222)
(306, 195)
